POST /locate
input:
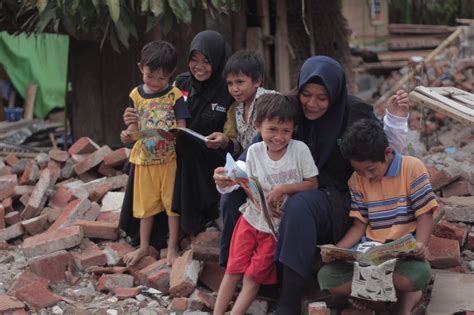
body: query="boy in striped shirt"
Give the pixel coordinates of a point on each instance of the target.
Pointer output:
(391, 196)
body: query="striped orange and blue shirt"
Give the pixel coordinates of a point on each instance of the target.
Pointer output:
(391, 206)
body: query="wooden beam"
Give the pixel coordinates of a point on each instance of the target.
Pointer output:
(30, 101)
(381, 101)
(282, 62)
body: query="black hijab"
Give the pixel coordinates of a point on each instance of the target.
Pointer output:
(321, 134)
(212, 45)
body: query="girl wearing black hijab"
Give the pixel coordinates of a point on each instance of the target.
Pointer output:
(321, 216)
(195, 196)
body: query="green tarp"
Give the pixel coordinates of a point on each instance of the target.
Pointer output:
(38, 58)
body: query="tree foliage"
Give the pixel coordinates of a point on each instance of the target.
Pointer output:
(113, 20)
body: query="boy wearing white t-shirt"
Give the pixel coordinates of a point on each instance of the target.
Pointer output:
(283, 167)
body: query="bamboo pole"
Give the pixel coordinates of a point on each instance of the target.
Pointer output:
(428, 58)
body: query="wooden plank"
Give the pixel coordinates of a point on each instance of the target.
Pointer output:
(418, 29)
(406, 77)
(282, 70)
(457, 94)
(413, 42)
(443, 99)
(30, 101)
(435, 105)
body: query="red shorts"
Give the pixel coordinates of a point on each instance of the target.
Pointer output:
(251, 253)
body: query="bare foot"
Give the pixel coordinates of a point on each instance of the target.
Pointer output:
(171, 255)
(406, 303)
(132, 258)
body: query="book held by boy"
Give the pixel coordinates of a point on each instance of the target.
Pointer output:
(374, 255)
(253, 190)
(169, 134)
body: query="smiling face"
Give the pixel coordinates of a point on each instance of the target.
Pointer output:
(276, 135)
(200, 66)
(154, 81)
(314, 100)
(371, 170)
(241, 87)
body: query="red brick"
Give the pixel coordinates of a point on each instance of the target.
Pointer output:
(2, 217)
(160, 280)
(205, 298)
(212, 275)
(83, 145)
(458, 188)
(24, 199)
(91, 161)
(13, 231)
(89, 256)
(36, 225)
(76, 158)
(5, 170)
(68, 169)
(58, 155)
(126, 293)
(443, 253)
(42, 159)
(10, 305)
(52, 213)
(101, 230)
(8, 205)
(109, 217)
(88, 176)
(184, 275)
(12, 218)
(179, 304)
(318, 308)
(11, 159)
(37, 296)
(38, 197)
(30, 174)
(441, 179)
(106, 270)
(93, 212)
(73, 211)
(110, 282)
(108, 171)
(99, 192)
(61, 197)
(26, 277)
(51, 242)
(7, 185)
(451, 231)
(142, 274)
(470, 241)
(116, 251)
(206, 246)
(117, 157)
(51, 266)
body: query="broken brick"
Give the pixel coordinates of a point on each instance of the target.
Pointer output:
(160, 280)
(11, 159)
(89, 256)
(73, 211)
(2, 217)
(443, 253)
(110, 282)
(50, 242)
(8, 205)
(451, 231)
(58, 155)
(184, 275)
(11, 232)
(126, 293)
(37, 296)
(91, 161)
(51, 266)
(206, 246)
(83, 145)
(61, 197)
(12, 218)
(93, 212)
(30, 174)
(101, 230)
(10, 304)
(116, 251)
(7, 185)
(38, 197)
(212, 275)
(117, 157)
(25, 278)
(36, 225)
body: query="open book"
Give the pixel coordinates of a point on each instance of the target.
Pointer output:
(253, 189)
(169, 134)
(374, 255)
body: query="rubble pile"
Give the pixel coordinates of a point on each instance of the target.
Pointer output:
(62, 249)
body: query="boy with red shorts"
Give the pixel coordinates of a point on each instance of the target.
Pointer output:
(283, 167)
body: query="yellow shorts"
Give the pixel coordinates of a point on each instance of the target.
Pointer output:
(153, 187)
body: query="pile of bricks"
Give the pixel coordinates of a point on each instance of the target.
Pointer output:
(59, 213)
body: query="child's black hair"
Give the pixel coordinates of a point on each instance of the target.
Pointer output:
(275, 105)
(365, 140)
(248, 63)
(159, 55)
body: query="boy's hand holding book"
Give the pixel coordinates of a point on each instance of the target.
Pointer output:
(221, 178)
(421, 251)
(275, 200)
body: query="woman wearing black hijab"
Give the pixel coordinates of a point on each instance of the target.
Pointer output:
(195, 196)
(321, 216)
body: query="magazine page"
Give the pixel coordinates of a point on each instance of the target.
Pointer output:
(376, 255)
(252, 188)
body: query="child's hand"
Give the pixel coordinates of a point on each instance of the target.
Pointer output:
(399, 104)
(130, 116)
(421, 251)
(274, 198)
(217, 140)
(324, 254)
(125, 137)
(222, 180)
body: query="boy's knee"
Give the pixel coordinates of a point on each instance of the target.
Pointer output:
(414, 275)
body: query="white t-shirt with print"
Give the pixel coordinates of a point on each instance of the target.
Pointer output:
(296, 165)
